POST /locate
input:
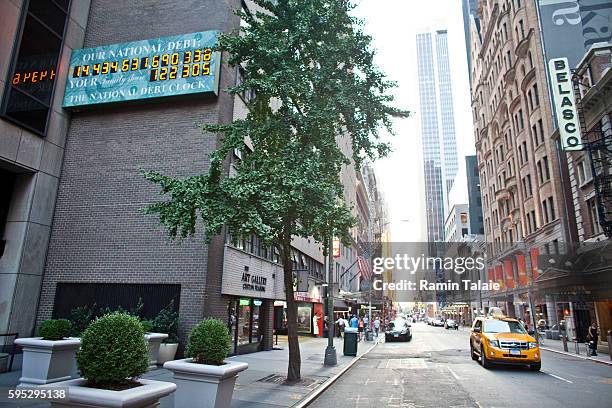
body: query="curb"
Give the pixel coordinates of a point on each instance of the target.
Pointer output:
(318, 391)
(577, 356)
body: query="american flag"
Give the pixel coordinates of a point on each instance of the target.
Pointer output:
(364, 268)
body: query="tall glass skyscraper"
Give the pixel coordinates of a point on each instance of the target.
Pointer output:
(440, 160)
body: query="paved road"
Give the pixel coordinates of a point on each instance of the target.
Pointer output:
(435, 370)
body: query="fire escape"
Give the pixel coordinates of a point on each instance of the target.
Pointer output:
(600, 155)
(598, 143)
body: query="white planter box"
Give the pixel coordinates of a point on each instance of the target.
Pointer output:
(145, 396)
(203, 385)
(47, 361)
(154, 340)
(167, 352)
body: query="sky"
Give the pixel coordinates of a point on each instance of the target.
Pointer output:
(393, 24)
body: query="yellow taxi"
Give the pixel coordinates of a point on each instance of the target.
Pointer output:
(503, 340)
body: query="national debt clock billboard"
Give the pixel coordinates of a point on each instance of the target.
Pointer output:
(168, 66)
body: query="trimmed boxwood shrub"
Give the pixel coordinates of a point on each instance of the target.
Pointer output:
(209, 342)
(147, 325)
(113, 351)
(166, 321)
(55, 329)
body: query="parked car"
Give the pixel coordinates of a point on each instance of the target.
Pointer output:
(438, 322)
(429, 320)
(398, 330)
(451, 324)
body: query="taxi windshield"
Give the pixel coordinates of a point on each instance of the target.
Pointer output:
(501, 326)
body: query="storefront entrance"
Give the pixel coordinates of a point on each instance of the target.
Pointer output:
(245, 324)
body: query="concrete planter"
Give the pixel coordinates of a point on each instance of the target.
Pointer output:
(154, 340)
(78, 395)
(203, 385)
(47, 361)
(167, 352)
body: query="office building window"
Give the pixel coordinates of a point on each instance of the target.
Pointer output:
(28, 96)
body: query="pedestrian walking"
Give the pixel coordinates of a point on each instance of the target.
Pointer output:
(593, 338)
(325, 326)
(354, 322)
(360, 327)
(315, 325)
(340, 323)
(376, 326)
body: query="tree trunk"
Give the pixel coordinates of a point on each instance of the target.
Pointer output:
(295, 361)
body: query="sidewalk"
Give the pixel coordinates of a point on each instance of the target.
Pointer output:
(557, 347)
(260, 386)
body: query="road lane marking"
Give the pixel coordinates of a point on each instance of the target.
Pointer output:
(559, 378)
(453, 373)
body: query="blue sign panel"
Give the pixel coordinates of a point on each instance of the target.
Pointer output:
(167, 66)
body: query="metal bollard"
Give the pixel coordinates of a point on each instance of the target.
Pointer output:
(564, 339)
(610, 344)
(576, 347)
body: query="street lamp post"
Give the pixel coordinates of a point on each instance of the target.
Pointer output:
(330, 350)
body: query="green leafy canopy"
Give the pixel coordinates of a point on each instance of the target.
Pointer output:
(311, 68)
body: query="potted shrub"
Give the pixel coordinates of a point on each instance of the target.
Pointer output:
(51, 357)
(113, 356)
(167, 322)
(153, 341)
(205, 379)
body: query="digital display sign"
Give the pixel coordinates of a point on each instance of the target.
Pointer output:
(161, 67)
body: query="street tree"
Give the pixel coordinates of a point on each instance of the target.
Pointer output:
(309, 69)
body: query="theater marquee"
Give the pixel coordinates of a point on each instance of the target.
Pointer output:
(565, 104)
(167, 66)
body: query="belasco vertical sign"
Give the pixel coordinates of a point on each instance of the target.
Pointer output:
(565, 104)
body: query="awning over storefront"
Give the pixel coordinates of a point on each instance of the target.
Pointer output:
(340, 304)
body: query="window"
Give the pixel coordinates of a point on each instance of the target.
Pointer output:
(584, 172)
(522, 29)
(529, 223)
(545, 211)
(530, 100)
(551, 208)
(594, 216)
(536, 95)
(527, 186)
(27, 100)
(541, 127)
(247, 95)
(539, 166)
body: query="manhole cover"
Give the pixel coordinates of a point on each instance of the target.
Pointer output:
(280, 380)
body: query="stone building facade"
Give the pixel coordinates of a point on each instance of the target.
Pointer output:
(521, 181)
